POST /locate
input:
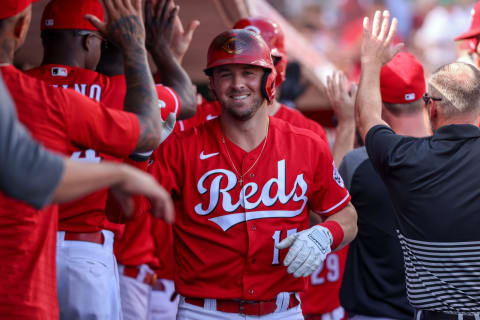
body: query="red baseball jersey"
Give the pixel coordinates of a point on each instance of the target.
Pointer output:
(225, 231)
(209, 110)
(88, 214)
(322, 294)
(60, 120)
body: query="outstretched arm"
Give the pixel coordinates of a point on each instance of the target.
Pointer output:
(80, 179)
(161, 22)
(377, 49)
(126, 30)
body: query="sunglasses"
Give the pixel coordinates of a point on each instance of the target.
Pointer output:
(427, 98)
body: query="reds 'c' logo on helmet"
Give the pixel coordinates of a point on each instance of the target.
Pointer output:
(240, 46)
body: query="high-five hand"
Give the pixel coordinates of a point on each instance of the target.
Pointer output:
(377, 47)
(125, 25)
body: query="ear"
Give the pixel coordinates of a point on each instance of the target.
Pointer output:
(21, 27)
(87, 42)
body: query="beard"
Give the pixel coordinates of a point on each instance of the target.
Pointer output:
(238, 111)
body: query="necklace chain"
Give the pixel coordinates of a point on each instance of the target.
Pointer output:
(256, 160)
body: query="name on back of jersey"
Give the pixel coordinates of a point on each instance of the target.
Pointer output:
(93, 91)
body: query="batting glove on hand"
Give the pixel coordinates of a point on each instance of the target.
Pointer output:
(309, 249)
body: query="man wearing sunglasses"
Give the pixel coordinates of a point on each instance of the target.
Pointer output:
(432, 181)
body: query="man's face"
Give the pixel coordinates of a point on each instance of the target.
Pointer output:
(238, 89)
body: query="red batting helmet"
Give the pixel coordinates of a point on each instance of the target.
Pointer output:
(273, 36)
(239, 46)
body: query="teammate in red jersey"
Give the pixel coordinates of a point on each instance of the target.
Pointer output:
(63, 120)
(247, 195)
(72, 51)
(273, 36)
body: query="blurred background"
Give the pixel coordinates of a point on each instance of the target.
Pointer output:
(320, 35)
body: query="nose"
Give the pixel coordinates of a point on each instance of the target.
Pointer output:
(238, 82)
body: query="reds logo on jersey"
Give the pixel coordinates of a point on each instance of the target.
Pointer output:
(249, 191)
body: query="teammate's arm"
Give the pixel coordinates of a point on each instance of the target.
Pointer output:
(126, 30)
(160, 25)
(377, 49)
(125, 181)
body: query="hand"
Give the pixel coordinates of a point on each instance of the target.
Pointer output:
(342, 98)
(181, 39)
(136, 182)
(309, 249)
(168, 126)
(159, 23)
(125, 26)
(377, 40)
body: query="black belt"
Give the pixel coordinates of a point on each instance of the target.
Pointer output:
(435, 315)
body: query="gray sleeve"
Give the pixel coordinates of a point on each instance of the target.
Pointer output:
(28, 172)
(350, 163)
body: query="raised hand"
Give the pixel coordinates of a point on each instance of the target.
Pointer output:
(159, 23)
(181, 38)
(341, 95)
(377, 47)
(125, 26)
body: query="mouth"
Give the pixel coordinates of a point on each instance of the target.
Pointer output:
(239, 97)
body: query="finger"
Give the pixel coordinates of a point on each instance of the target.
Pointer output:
(299, 260)
(391, 32)
(397, 48)
(293, 252)
(148, 12)
(305, 266)
(366, 27)
(109, 7)
(385, 22)
(285, 243)
(97, 23)
(165, 5)
(172, 16)
(137, 6)
(308, 271)
(191, 29)
(376, 23)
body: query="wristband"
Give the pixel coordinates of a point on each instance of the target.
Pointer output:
(336, 231)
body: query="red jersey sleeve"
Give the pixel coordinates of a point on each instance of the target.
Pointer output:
(166, 167)
(329, 193)
(104, 129)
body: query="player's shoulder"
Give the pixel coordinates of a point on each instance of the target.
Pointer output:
(298, 119)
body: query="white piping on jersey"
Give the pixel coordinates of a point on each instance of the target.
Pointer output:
(335, 206)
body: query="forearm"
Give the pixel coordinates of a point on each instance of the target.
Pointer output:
(347, 219)
(174, 76)
(80, 179)
(368, 105)
(344, 139)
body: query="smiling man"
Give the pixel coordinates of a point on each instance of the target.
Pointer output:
(243, 184)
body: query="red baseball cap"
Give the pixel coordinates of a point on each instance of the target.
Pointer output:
(402, 79)
(11, 8)
(474, 26)
(69, 14)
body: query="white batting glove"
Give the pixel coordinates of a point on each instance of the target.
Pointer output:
(309, 248)
(168, 126)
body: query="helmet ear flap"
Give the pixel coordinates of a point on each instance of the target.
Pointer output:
(268, 84)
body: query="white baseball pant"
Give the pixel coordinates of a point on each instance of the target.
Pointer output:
(161, 306)
(135, 294)
(87, 279)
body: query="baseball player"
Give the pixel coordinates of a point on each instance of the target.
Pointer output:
(72, 49)
(273, 36)
(63, 120)
(473, 35)
(245, 198)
